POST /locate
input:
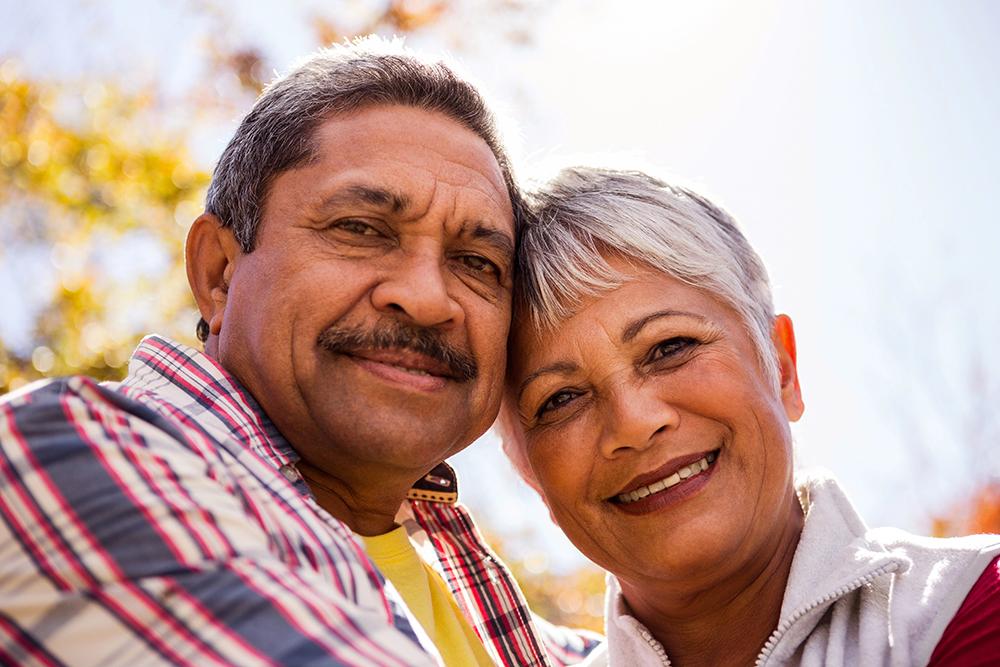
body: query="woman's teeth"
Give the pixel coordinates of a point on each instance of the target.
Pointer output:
(689, 470)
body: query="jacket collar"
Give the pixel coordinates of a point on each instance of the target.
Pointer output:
(834, 556)
(835, 547)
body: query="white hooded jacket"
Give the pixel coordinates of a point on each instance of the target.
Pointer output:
(855, 596)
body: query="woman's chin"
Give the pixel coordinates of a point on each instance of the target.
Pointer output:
(696, 549)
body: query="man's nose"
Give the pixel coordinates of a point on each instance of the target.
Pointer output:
(414, 287)
(634, 415)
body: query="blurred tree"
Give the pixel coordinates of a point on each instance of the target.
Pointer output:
(87, 177)
(979, 512)
(940, 387)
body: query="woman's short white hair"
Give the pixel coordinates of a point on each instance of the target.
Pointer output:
(584, 215)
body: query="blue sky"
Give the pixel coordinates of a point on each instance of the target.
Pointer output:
(857, 143)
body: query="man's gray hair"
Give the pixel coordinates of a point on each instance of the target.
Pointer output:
(278, 132)
(586, 215)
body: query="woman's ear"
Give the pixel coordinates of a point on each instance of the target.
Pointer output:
(783, 336)
(210, 253)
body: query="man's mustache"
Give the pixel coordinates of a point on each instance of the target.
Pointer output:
(396, 336)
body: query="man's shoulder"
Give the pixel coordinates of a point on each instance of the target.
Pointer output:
(66, 412)
(74, 398)
(51, 398)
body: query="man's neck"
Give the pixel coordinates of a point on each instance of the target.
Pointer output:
(747, 605)
(367, 511)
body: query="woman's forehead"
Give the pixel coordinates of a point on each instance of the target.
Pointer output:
(616, 315)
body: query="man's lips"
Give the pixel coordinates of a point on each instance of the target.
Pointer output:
(672, 467)
(407, 360)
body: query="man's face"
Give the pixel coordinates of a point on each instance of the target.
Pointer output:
(370, 321)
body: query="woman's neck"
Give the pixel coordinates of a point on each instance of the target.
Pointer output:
(729, 621)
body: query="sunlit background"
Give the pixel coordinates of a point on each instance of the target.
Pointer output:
(857, 142)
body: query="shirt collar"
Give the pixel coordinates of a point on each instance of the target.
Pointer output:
(198, 385)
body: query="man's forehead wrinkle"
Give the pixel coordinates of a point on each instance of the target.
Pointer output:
(469, 173)
(469, 178)
(470, 161)
(464, 181)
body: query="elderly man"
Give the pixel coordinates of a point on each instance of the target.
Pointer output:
(353, 271)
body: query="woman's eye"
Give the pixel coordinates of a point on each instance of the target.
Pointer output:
(671, 347)
(479, 264)
(556, 401)
(357, 227)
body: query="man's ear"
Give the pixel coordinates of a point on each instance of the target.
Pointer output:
(783, 336)
(210, 254)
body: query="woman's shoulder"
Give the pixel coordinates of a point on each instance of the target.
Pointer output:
(949, 587)
(956, 562)
(945, 563)
(973, 634)
(930, 577)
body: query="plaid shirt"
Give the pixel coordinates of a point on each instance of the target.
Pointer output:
(162, 521)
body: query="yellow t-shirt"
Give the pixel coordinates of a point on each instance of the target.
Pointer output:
(428, 598)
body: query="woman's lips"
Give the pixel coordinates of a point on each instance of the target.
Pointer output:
(675, 480)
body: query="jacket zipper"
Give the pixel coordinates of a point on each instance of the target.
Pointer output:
(785, 625)
(657, 647)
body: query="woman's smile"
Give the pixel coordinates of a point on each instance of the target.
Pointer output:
(673, 482)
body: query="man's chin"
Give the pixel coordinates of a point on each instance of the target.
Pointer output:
(416, 428)
(396, 451)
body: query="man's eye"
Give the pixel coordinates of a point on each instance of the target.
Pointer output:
(556, 401)
(671, 347)
(479, 264)
(356, 227)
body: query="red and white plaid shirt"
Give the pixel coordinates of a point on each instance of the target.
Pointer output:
(161, 520)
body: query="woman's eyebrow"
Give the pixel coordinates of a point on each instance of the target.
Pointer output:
(634, 327)
(557, 367)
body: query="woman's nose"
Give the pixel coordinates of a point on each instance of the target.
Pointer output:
(634, 415)
(415, 287)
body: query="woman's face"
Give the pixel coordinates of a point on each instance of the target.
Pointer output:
(654, 435)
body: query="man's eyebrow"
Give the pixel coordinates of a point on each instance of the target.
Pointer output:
(557, 367)
(368, 194)
(501, 241)
(633, 329)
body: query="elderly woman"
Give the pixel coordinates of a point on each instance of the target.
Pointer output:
(649, 395)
